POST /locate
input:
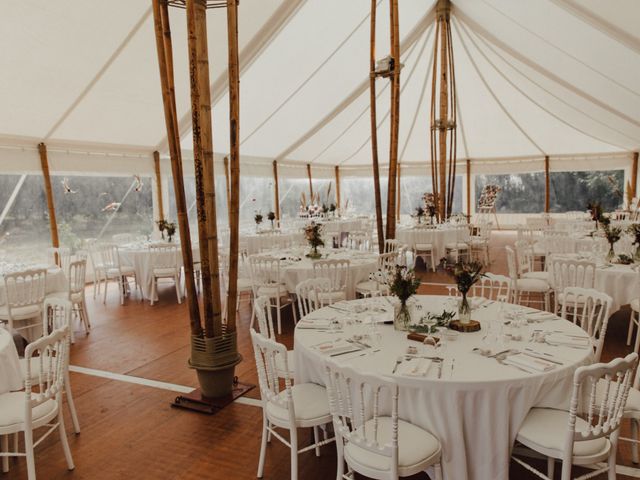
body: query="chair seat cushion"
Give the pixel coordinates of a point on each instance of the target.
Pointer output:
(331, 296)
(165, 271)
(12, 409)
(124, 270)
(368, 286)
(415, 446)
(457, 246)
(273, 291)
(545, 430)
(310, 403)
(244, 284)
(532, 285)
(21, 313)
(73, 298)
(544, 276)
(424, 247)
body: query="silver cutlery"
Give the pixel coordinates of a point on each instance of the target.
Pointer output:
(398, 362)
(542, 356)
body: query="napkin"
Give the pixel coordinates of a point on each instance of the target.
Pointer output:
(415, 367)
(316, 324)
(564, 339)
(529, 363)
(337, 348)
(542, 316)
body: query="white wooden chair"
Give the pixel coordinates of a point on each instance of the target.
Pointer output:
(265, 325)
(479, 244)
(77, 280)
(391, 245)
(165, 264)
(459, 248)
(494, 287)
(522, 289)
(266, 281)
(634, 317)
(377, 283)
(359, 240)
(425, 249)
(56, 315)
(337, 271)
(27, 411)
(114, 270)
(526, 258)
(589, 309)
(244, 282)
(303, 405)
(566, 272)
(591, 437)
(24, 293)
(99, 271)
(370, 437)
(307, 294)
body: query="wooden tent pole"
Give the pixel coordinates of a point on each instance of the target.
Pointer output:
(203, 163)
(398, 194)
(337, 170)
(634, 175)
(442, 132)
(165, 63)
(310, 183)
(374, 128)
(276, 190)
(547, 192)
(53, 225)
(156, 165)
(227, 184)
(234, 143)
(468, 190)
(394, 120)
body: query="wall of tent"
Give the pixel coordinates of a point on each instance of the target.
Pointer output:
(102, 196)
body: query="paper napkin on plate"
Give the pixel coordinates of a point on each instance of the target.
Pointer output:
(339, 347)
(415, 367)
(529, 363)
(566, 339)
(316, 324)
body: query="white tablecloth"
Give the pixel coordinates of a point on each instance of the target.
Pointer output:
(441, 237)
(258, 242)
(343, 225)
(294, 272)
(10, 374)
(477, 407)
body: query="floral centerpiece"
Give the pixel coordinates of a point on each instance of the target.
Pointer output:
(271, 216)
(595, 210)
(466, 275)
(168, 227)
(403, 285)
(429, 200)
(325, 208)
(613, 235)
(332, 209)
(419, 213)
(313, 235)
(634, 229)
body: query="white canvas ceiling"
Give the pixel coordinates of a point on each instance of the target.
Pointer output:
(550, 77)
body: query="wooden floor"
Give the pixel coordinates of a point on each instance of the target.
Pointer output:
(130, 430)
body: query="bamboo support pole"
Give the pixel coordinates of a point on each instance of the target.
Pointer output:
(53, 225)
(234, 143)
(634, 175)
(165, 63)
(156, 165)
(337, 170)
(468, 190)
(310, 183)
(227, 184)
(443, 115)
(276, 190)
(547, 192)
(398, 194)
(203, 163)
(394, 120)
(374, 128)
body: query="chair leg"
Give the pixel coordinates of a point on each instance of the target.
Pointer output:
(28, 448)
(263, 446)
(279, 315)
(177, 280)
(85, 316)
(4, 442)
(634, 444)
(438, 469)
(551, 465)
(631, 323)
(316, 439)
(154, 288)
(294, 452)
(63, 441)
(340, 459)
(71, 403)
(104, 298)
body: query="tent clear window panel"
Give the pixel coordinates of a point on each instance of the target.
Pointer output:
(413, 187)
(291, 190)
(24, 218)
(256, 195)
(521, 192)
(358, 191)
(100, 207)
(572, 191)
(190, 195)
(326, 189)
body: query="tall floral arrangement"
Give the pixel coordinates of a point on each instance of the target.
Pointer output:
(313, 235)
(634, 229)
(429, 200)
(403, 284)
(466, 275)
(612, 235)
(168, 227)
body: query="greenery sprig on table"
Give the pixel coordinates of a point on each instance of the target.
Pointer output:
(435, 320)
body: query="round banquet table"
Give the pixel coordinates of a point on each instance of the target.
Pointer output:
(295, 267)
(138, 256)
(478, 404)
(343, 225)
(10, 374)
(441, 237)
(258, 242)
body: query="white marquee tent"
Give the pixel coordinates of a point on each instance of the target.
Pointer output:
(551, 77)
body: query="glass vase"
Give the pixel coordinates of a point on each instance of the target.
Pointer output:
(464, 310)
(611, 254)
(402, 318)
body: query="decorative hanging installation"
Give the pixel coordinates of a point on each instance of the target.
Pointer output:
(138, 183)
(65, 186)
(443, 113)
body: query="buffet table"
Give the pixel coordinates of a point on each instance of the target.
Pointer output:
(472, 403)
